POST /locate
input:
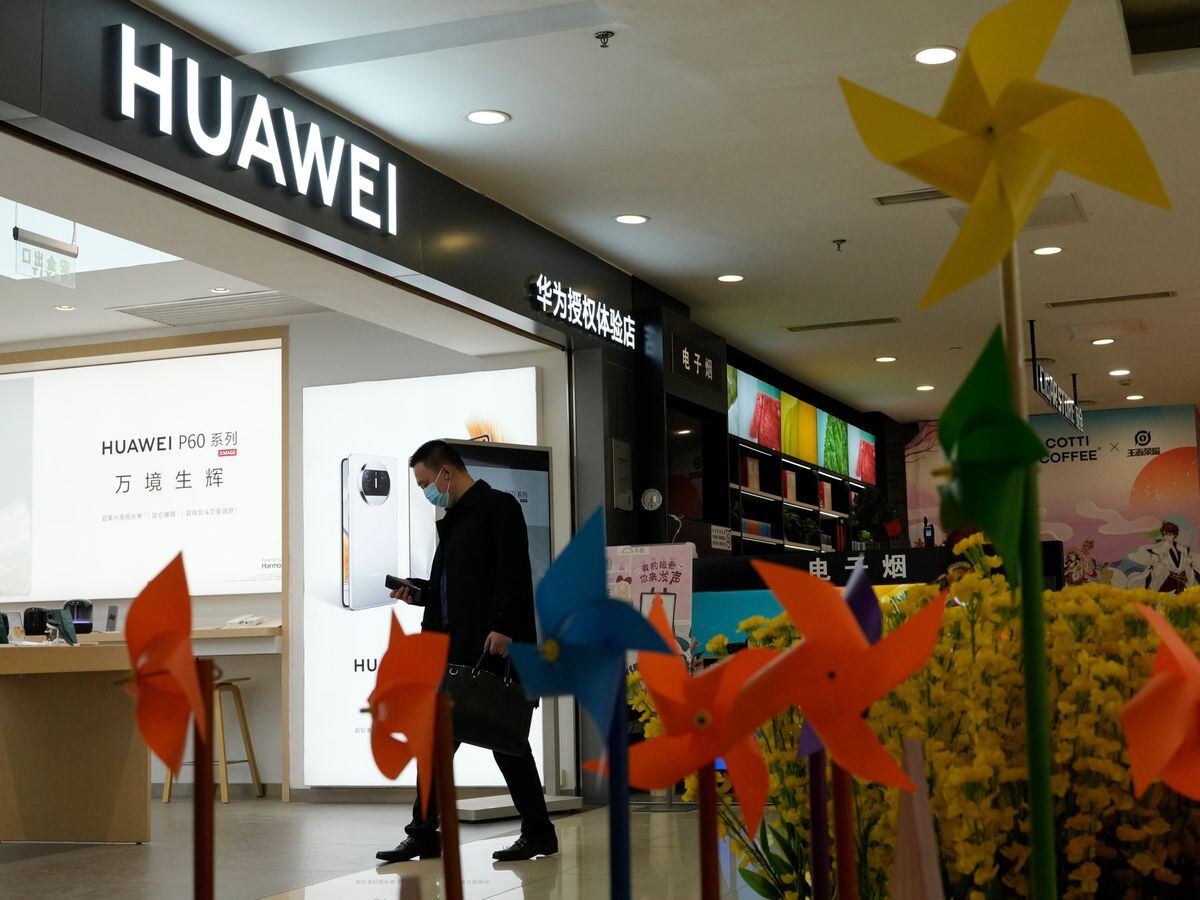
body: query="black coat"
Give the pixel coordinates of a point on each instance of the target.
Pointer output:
(483, 549)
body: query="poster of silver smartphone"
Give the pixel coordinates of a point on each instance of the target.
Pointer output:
(370, 523)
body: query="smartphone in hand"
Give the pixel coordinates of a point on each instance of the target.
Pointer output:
(394, 583)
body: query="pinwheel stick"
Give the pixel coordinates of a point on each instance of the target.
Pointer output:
(843, 834)
(1033, 634)
(818, 797)
(620, 884)
(202, 795)
(447, 796)
(710, 870)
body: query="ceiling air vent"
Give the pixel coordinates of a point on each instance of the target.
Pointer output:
(854, 323)
(1119, 298)
(226, 308)
(918, 196)
(1055, 209)
(1164, 35)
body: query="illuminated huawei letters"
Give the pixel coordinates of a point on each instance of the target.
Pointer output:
(134, 76)
(292, 162)
(313, 156)
(217, 145)
(258, 139)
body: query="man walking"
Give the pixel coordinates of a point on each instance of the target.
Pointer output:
(480, 592)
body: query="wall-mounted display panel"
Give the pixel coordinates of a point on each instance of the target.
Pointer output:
(384, 421)
(108, 471)
(754, 408)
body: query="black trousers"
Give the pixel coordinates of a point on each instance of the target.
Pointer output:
(524, 786)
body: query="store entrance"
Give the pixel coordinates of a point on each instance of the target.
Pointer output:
(152, 351)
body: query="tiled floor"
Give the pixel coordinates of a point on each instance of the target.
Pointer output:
(317, 850)
(665, 867)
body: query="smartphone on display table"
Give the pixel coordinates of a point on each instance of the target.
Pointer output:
(370, 529)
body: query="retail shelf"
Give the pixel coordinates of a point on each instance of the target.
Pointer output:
(758, 539)
(800, 504)
(753, 493)
(796, 464)
(755, 448)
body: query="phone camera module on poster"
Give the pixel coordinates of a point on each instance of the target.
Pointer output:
(376, 486)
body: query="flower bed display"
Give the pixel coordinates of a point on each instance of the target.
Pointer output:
(966, 708)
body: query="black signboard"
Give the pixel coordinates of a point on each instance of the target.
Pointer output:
(692, 360)
(910, 565)
(112, 80)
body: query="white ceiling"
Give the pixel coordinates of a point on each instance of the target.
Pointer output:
(724, 123)
(28, 312)
(217, 254)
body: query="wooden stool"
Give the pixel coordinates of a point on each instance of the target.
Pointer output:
(227, 686)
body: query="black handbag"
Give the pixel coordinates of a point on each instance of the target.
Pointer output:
(490, 710)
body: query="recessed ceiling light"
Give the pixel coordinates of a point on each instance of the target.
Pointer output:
(65, 307)
(925, 387)
(1117, 373)
(488, 117)
(936, 56)
(730, 279)
(1135, 397)
(220, 290)
(1102, 342)
(1047, 251)
(885, 359)
(632, 219)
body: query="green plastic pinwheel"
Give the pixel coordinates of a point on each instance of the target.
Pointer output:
(991, 450)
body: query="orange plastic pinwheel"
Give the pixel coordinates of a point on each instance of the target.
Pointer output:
(1001, 136)
(694, 711)
(1162, 721)
(166, 686)
(835, 674)
(405, 702)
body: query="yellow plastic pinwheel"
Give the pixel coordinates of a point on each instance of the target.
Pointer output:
(1001, 136)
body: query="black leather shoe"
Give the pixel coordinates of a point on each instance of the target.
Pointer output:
(411, 848)
(528, 848)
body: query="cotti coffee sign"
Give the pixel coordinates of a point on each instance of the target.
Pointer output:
(295, 156)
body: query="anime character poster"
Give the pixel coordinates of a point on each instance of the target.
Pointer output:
(1123, 496)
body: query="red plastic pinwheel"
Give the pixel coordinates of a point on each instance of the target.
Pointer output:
(166, 686)
(405, 702)
(1162, 721)
(835, 674)
(694, 711)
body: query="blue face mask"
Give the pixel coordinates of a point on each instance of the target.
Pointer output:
(440, 499)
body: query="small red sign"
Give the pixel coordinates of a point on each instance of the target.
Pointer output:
(232, 451)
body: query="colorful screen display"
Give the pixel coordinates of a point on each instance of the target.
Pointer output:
(754, 409)
(774, 419)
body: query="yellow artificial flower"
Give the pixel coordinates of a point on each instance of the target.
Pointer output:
(718, 645)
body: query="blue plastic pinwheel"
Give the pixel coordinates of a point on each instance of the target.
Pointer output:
(585, 634)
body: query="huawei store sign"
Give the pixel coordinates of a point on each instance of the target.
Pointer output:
(297, 157)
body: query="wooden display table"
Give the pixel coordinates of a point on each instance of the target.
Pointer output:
(72, 764)
(253, 640)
